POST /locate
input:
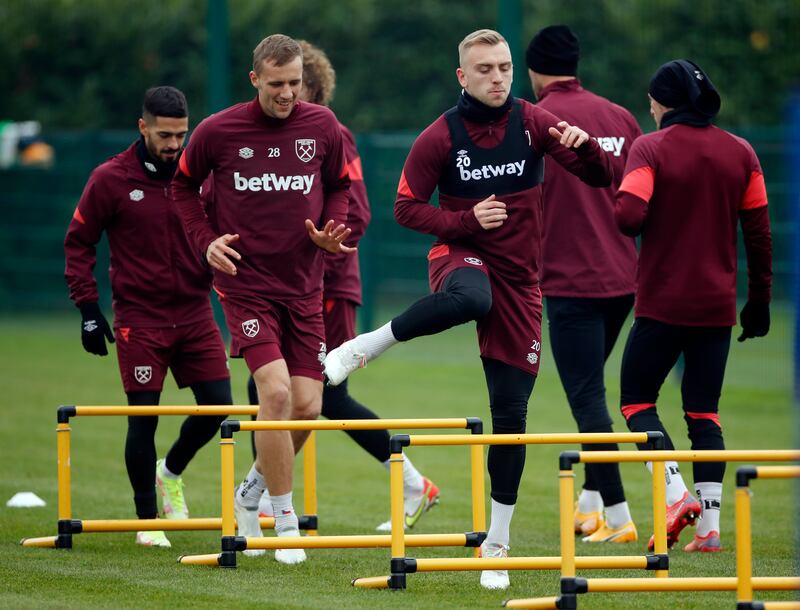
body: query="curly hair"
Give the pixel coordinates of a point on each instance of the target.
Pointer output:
(319, 77)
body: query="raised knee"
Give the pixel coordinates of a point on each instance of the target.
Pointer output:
(475, 302)
(309, 408)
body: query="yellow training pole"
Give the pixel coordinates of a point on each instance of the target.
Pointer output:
(371, 582)
(478, 493)
(167, 410)
(47, 542)
(721, 455)
(89, 526)
(362, 541)
(310, 478)
(64, 471)
(778, 472)
(721, 583)
(744, 546)
(529, 439)
(354, 424)
(456, 564)
(539, 602)
(781, 605)
(660, 513)
(566, 486)
(199, 560)
(398, 516)
(226, 460)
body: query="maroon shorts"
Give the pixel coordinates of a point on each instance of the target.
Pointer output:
(263, 331)
(340, 321)
(512, 330)
(194, 353)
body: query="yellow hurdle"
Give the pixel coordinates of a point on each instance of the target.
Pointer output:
(744, 584)
(401, 566)
(397, 541)
(744, 534)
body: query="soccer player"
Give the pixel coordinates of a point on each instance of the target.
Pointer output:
(279, 173)
(686, 186)
(589, 295)
(341, 297)
(160, 288)
(485, 156)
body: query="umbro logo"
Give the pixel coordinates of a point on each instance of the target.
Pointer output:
(246, 153)
(473, 261)
(150, 167)
(90, 325)
(136, 195)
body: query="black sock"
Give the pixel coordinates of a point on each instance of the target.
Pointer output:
(140, 455)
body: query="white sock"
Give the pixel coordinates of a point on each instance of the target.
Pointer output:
(710, 496)
(590, 501)
(675, 485)
(413, 482)
(286, 521)
(618, 515)
(375, 343)
(167, 473)
(265, 503)
(500, 523)
(251, 488)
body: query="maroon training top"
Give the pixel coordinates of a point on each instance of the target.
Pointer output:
(583, 252)
(269, 176)
(342, 275)
(157, 279)
(684, 189)
(514, 249)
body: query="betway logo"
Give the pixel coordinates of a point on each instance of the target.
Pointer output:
(492, 171)
(611, 144)
(273, 182)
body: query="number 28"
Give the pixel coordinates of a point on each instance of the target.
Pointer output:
(274, 152)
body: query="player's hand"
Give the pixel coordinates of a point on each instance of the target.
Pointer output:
(754, 320)
(569, 135)
(219, 254)
(330, 238)
(95, 330)
(490, 213)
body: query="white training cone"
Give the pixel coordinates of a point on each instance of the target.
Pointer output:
(25, 499)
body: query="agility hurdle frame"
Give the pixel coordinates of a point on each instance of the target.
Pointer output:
(231, 543)
(744, 534)
(67, 526)
(571, 586)
(400, 565)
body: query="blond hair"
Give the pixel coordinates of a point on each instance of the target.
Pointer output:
(276, 48)
(319, 77)
(487, 37)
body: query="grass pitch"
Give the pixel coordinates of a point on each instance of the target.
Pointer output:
(43, 365)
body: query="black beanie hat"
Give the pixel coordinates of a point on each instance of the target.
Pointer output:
(554, 51)
(683, 83)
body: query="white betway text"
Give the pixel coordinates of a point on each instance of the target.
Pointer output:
(491, 171)
(273, 182)
(611, 144)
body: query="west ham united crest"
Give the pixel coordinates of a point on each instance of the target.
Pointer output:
(250, 327)
(306, 149)
(143, 374)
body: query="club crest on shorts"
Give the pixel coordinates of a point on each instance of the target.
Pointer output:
(143, 374)
(250, 327)
(305, 148)
(473, 261)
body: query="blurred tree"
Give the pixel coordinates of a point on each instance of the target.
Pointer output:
(86, 63)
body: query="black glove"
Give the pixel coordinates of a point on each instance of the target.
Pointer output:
(754, 320)
(95, 330)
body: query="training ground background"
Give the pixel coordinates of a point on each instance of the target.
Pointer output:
(43, 365)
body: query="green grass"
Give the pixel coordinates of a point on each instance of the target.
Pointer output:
(42, 365)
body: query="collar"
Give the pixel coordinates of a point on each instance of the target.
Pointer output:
(478, 112)
(154, 168)
(573, 84)
(685, 115)
(257, 114)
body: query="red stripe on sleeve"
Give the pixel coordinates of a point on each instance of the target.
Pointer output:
(403, 188)
(630, 410)
(354, 170)
(756, 194)
(639, 182)
(182, 165)
(78, 216)
(710, 416)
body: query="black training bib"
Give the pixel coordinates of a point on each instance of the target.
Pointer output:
(473, 172)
